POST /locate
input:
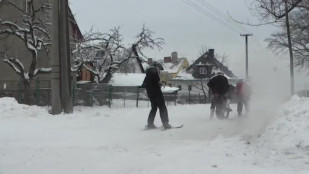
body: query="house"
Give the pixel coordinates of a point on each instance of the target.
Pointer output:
(16, 48)
(173, 65)
(207, 65)
(197, 75)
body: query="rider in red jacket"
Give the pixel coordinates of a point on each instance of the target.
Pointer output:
(243, 93)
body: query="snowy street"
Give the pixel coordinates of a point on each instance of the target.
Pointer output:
(103, 140)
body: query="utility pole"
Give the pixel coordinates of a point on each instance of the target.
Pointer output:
(61, 67)
(246, 36)
(290, 47)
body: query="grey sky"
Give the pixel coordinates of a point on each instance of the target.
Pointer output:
(187, 26)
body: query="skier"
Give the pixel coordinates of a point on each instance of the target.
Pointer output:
(155, 95)
(243, 93)
(219, 85)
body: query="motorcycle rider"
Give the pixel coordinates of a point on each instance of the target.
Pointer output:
(218, 85)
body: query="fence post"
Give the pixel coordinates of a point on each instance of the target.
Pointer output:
(20, 88)
(37, 94)
(49, 93)
(91, 98)
(110, 95)
(73, 92)
(175, 97)
(137, 96)
(199, 98)
(124, 97)
(189, 97)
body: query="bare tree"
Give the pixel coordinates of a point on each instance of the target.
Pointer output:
(144, 39)
(223, 59)
(98, 52)
(32, 30)
(202, 86)
(273, 11)
(107, 53)
(299, 27)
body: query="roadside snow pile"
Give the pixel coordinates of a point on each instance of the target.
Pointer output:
(9, 107)
(289, 133)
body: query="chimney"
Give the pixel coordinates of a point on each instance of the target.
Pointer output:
(211, 53)
(174, 57)
(167, 59)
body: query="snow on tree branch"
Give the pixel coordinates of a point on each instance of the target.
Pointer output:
(42, 71)
(33, 31)
(14, 63)
(102, 54)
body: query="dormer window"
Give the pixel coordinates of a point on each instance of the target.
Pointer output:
(203, 70)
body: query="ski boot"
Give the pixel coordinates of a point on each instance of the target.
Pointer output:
(167, 126)
(151, 126)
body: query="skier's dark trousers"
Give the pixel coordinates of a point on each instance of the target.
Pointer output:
(155, 95)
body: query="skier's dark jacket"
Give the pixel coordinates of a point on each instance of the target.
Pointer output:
(152, 83)
(218, 85)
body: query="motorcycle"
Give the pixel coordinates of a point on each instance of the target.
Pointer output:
(222, 108)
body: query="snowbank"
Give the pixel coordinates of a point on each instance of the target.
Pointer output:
(290, 130)
(104, 140)
(9, 107)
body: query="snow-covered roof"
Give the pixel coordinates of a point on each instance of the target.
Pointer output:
(128, 79)
(171, 67)
(83, 82)
(183, 75)
(135, 79)
(167, 89)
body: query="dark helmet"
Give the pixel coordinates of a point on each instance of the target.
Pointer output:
(157, 65)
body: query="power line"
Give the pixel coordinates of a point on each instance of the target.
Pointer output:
(225, 20)
(222, 15)
(217, 19)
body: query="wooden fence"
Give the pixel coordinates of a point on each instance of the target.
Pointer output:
(92, 94)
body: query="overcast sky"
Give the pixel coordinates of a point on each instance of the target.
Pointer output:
(188, 27)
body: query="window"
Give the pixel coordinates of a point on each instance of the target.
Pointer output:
(28, 6)
(203, 70)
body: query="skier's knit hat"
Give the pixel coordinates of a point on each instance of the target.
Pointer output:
(157, 65)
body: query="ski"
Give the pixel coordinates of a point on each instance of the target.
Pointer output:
(173, 127)
(147, 128)
(162, 128)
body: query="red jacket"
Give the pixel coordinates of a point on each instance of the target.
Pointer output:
(243, 89)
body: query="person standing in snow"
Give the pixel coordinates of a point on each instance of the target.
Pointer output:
(155, 95)
(243, 93)
(218, 85)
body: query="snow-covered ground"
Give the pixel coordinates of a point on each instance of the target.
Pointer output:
(101, 140)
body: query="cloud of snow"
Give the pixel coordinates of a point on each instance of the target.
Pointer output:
(270, 84)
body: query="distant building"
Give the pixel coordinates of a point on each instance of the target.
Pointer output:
(197, 75)
(207, 65)
(173, 66)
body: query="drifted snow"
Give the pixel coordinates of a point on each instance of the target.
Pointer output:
(104, 140)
